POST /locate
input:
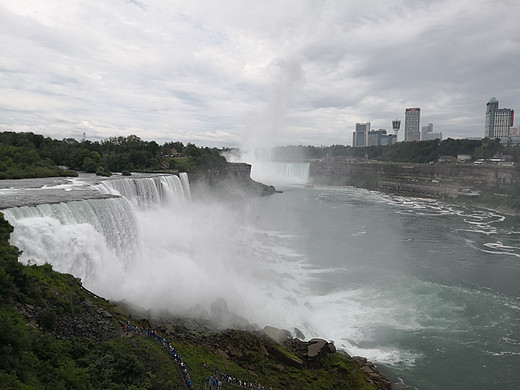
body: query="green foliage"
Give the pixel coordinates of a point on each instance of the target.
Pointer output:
(412, 152)
(24, 155)
(102, 171)
(19, 159)
(31, 357)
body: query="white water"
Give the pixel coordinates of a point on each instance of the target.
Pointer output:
(155, 248)
(149, 191)
(275, 173)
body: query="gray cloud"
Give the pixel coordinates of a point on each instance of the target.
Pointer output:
(253, 72)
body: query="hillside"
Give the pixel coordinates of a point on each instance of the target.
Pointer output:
(58, 335)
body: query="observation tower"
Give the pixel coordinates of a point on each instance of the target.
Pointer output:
(396, 125)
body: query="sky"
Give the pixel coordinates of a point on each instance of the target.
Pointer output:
(253, 73)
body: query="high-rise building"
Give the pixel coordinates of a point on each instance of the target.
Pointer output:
(380, 137)
(498, 120)
(428, 134)
(360, 136)
(412, 117)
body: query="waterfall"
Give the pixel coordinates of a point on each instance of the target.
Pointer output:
(93, 237)
(80, 237)
(147, 191)
(280, 172)
(149, 245)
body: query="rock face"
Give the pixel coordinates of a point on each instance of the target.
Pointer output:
(439, 180)
(373, 375)
(278, 335)
(316, 349)
(231, 181)
(219, 309)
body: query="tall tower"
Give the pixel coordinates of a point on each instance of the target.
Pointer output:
(396, 125)
(412, 117)
(498, 121)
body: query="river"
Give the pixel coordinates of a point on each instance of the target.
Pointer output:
(427, 290)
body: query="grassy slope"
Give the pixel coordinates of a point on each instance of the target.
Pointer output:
(57, 335)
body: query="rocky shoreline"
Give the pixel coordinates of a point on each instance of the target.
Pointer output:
(491, 187)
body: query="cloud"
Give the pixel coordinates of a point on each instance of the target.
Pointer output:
(253, 72)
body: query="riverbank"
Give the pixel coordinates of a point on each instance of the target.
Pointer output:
(491, 187)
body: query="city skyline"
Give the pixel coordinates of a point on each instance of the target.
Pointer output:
(249, 73)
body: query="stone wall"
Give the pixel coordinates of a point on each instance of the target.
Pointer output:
(438, 180)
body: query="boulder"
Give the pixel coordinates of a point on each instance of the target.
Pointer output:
(316, 349)
(278, 335)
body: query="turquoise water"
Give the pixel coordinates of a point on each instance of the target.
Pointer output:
(427, 290)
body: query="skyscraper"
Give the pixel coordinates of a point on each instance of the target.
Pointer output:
(412, 118)
(360, 136)
(428, 134)
(498, 121)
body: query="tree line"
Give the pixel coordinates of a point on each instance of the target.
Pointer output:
(412, 152)
(25, 155)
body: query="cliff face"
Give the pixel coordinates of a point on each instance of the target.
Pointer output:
(437, 180)
(233, 180)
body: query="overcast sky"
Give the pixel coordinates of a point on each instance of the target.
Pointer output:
(266, 72)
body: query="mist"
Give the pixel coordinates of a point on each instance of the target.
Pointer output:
(172, 256)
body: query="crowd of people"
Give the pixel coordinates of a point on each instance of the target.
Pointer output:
(127, 327)
(218, 381)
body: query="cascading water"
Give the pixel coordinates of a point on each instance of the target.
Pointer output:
(280, 172)
(85, 238)
(149, 190)
(150, 245)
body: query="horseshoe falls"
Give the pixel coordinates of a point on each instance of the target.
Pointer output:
(426, 290)
(280, 173)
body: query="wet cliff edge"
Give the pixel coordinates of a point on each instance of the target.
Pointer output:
(231, 181)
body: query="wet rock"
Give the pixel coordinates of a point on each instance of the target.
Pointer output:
(298, 334)
(278, 335)
(316, 349)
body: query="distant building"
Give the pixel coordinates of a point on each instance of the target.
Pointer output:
(412, 118)
(396, 125)
(360, 136)
(389, 139)
(498, 120)
(464, 157)
(380, 137)
(428, 134)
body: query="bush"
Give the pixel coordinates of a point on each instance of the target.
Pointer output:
(102, 171)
